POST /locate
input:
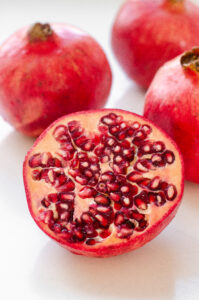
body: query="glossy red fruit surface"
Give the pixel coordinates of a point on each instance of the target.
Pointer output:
(172, 102)
(103, 182)
(148, 33)
(48, 71)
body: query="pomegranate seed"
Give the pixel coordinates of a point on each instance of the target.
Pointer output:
(104, 159)
(122, 135)
(169, 157)
(36, 175)
(157, 160)
(53, 198)
(115, 197)
(140, 203)
(142, 225)
(146, 128)
(35, 160)
(126, 202)
(118, 159)
(108, 177)
(62, 179)
(103, 222)
(144, 182)
(88, 173)
(87, 192)
(139, 136)
(80, 141)
(45, 203)
(119, 218)
(57, 228)
(152, 198)
(69, 186)
(125, 231)
(46, 216)
(84, 164)
(160, 199)
(90, 230)
(79, 235)
(101, 187)
(135, 177)
(171, 192)
(81, 180)
(73, 125)
(134, 214)
(158, 146)
(136, 125)
(104, 234)
(66, 196)
(60, 132)
(112, 187)
(51, 176)
(102, 200)
(77, 133)
(86, 218)
(142, 165)
(114, 129)
(117, 206)
(155, 183)
(163, 185)
(88, 146)
(91, 242)
(107, 121)
(128, 154)
(65, 216)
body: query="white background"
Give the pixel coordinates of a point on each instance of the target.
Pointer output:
(34, 267)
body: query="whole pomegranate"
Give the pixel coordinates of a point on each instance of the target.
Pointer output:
(148, 33)
(103, 182)
(172, 102)
(48, 71)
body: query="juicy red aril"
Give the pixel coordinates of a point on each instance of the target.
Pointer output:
(134, 214)
(107, 169)
(158, 146)
(90, 242)
(102, 200)
(119, 218)
(171, 192)
(45, 203)
(160, 199)
(169, 157)
(87, 192)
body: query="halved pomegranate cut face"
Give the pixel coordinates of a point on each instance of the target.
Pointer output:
(104, 182)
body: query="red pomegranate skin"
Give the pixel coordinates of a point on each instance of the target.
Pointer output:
(172, 102)
(148, 33)
(45, 77)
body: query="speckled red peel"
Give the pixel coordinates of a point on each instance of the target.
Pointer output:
(172, 102)
(148, 33)
(48, 71)
(103, 182)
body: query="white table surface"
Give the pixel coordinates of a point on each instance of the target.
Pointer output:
(33, 267)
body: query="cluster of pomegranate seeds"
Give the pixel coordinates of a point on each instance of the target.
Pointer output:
(106, 172)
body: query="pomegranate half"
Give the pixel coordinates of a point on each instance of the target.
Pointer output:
(48, 71)
(103, 182)
(172, 102)
(148, 33)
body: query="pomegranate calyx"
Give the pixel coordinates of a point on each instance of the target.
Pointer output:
(39, 32)
(190, 60)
